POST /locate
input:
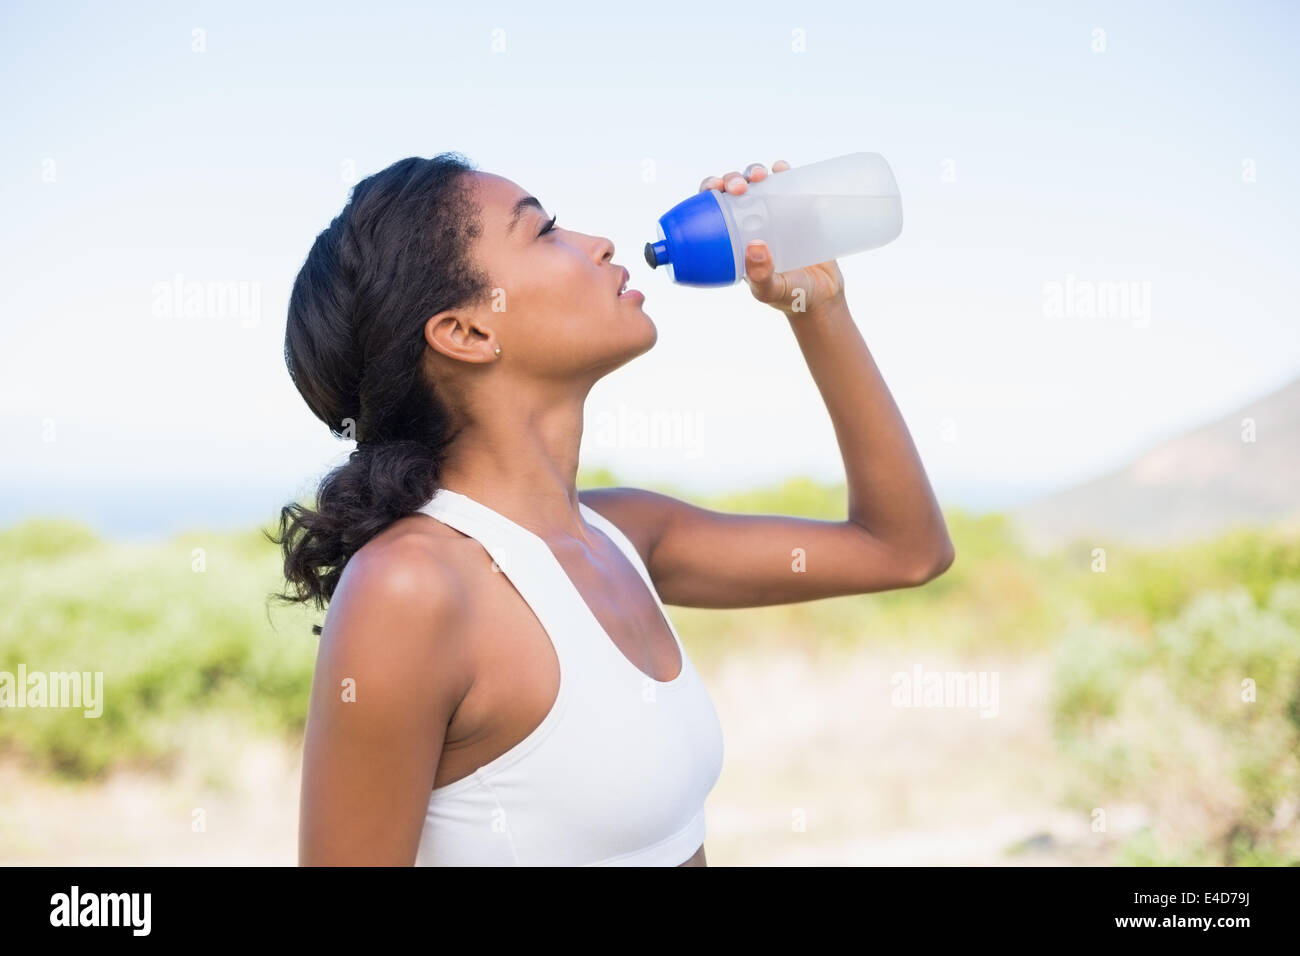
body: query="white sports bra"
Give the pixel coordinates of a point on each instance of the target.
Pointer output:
(617, 772)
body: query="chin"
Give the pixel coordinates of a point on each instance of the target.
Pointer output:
(651, 333)
(635, 334)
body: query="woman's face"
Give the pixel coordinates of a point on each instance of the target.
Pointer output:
(555, 309)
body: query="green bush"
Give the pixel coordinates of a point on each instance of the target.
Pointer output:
(1145, 585)
(1199, 721)
(173, 632)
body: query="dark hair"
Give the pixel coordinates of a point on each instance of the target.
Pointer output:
(398, 253)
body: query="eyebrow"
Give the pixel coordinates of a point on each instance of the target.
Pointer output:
(519, 208)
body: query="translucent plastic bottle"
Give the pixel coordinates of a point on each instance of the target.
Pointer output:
(805, 214)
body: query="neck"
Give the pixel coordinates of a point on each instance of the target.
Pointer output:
(523, 464)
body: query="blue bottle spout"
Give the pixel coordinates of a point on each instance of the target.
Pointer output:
(656, 254)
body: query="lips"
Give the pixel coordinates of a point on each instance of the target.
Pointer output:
(623, 284)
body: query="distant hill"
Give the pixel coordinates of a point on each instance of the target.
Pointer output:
(1189, 487)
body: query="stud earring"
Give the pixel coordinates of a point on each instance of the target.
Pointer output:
(498, 350)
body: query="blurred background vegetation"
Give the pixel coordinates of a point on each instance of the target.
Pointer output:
(1176, 671)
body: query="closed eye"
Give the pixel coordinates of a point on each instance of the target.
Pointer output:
(548, 227)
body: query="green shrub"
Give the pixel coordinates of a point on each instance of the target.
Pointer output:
(1168, 720)
(168, 639)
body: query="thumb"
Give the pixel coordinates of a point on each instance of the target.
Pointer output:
(767, 284)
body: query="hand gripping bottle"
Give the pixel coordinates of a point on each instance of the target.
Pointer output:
(806, 214)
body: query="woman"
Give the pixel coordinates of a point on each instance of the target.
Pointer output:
(497, 679)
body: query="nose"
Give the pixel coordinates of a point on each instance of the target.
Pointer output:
(606, 248)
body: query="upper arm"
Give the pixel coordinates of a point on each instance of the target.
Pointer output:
(390, 672)
(703, 558)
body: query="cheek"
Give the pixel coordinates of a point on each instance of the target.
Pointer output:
(568, 292)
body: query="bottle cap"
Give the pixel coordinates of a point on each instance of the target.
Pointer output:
(694, 243)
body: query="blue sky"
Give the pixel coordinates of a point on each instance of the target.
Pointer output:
(1157, 156)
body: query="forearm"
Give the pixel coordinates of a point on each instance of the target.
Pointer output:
(888, 492)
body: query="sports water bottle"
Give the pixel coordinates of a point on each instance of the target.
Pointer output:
(806, 214)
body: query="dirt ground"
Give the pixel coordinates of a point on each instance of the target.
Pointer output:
(820, 768)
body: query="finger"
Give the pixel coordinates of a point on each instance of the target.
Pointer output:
(768, 284)
(755, 172)
(711, 182)
(733, 182)
(780, 166)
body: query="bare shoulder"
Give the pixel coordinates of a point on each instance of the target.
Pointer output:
(392, 669)
(640, 514)
(400, 609)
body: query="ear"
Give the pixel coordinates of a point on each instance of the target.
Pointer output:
(458, 335)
